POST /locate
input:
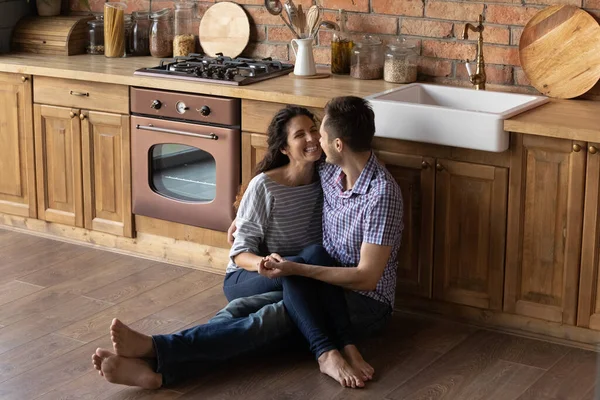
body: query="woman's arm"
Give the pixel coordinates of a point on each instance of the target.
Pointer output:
(248, 261)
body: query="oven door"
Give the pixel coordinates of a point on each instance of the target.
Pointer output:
(184, 172)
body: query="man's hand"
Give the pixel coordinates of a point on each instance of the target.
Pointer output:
(274, 266)
(230, 232)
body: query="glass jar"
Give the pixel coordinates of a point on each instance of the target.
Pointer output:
(184, 41)
(114, 29)
(341, 48)
(367, 59)
(161, 34)
(128, 31)
(96, 36)
(400, 65)
(140, 34)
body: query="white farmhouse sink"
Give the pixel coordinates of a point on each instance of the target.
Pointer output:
(447, 115)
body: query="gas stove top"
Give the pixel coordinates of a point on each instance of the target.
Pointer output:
(219, 69)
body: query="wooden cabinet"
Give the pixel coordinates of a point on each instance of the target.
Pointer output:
(17, 159)
(545, 228)
(83, 168)
(254, 147)
(58, 165)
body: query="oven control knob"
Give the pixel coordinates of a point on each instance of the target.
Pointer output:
(156, 104)
(205, 110)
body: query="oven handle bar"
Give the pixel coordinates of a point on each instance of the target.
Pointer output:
(153, 128)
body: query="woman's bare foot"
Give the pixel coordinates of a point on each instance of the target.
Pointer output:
(97, 358)
(130, 343)
(356, 361)
(127, 371)
(333, 364)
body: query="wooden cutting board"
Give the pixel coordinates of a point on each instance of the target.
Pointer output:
(224, 28)
(560, 51)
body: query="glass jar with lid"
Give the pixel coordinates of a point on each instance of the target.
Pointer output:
(184, 41)
(367, 59)
(128, 32)
(140, 34)
(114, 29)
(341, 48)
(96, 35)
(401, 58)
(161, 34)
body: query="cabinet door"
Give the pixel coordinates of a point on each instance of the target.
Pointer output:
(544, 228)
(106, 173)
(17, 159)
(416, 177)
(470, 218)
(254, 147)
(588, 311)
(58, 165)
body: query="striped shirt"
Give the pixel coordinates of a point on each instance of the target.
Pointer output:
(370, 212)
(274, 218)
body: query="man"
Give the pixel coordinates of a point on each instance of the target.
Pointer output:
(362, 227)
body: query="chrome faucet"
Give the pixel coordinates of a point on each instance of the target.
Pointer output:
(477, 78)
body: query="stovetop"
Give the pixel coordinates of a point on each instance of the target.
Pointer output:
(219, 69)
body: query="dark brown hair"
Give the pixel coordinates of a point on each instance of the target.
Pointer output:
(351, 119)
(277, 133)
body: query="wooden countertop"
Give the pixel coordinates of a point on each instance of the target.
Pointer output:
(572, 119)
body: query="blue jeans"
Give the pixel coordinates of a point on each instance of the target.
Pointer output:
(318, 309)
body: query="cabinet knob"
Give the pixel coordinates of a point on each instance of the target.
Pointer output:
(72, 114)
(24, 79)
(439, 167)
(424, 165)
(82, 116)
(592, 150)
(576, 148)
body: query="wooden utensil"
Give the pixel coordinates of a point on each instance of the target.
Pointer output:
(560, 51)
(224, 29)
(312, 19)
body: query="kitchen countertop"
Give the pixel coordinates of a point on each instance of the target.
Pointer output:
(570, 119)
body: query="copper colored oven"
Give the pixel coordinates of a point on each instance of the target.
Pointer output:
(185, 152)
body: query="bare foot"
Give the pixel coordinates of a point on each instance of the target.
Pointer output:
(333, 364)
(127, 371)
(130, 343)
(356, 361)
(97, 358)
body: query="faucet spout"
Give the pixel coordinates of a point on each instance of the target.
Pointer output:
(478, 78)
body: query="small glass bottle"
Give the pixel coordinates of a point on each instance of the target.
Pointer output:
(96, 36)
(400, 65)
(140, 34)
(341, 48)
(367, 59)
(161, 34)
(184, 41)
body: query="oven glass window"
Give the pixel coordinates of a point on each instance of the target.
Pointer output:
(183, 172)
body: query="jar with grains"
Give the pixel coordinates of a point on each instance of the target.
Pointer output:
(184, 41)
(96, 36)
(401, 59)
(341, 48)
(367, 59)
(140, 34)
(161, 34)
(114, 29)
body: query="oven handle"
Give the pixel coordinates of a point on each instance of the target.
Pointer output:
(153, 128)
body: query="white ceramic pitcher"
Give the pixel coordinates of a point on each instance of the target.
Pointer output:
(305, 62)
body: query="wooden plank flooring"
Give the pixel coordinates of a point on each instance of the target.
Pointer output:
(57, 301)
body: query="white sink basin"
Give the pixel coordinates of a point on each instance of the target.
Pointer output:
(447, 115)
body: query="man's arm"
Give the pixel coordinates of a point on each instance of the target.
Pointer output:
(373, 259)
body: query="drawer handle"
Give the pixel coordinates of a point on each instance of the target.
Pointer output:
(424, 165)
(24, 79)
(592, 149)
(82, 116)
(439, 167)
(72, 114)
(81, 94)
(576, 148)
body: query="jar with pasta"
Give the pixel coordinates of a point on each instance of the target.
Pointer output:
(114, 29)
(161, 34)
(184, 41)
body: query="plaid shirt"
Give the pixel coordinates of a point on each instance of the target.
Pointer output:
(370, 212)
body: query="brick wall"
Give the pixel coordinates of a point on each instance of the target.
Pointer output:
(435, 25)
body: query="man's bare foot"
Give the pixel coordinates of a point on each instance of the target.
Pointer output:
(333, 364)
(127, 371)
(130, 343)
(356, 361)
(97, 358)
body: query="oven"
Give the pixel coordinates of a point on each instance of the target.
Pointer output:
(185, 154)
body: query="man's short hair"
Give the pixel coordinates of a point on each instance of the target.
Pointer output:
(351, 119)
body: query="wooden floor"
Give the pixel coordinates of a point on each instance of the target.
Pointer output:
(57, 301)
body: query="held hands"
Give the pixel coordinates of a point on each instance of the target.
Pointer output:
(274, 266)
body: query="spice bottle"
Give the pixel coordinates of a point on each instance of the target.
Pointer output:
(341, 48)
(367, 59)
(400, 64)
(184, 41)
(96, 36)
(140, 34)
(161, 34)
(114, 29)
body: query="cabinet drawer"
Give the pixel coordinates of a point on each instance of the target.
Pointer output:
(81, 94)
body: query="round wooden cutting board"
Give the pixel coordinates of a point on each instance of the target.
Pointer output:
(560, 51)
(224, 28)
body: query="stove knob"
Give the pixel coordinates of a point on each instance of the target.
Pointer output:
(156, 104)
(205, 110)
